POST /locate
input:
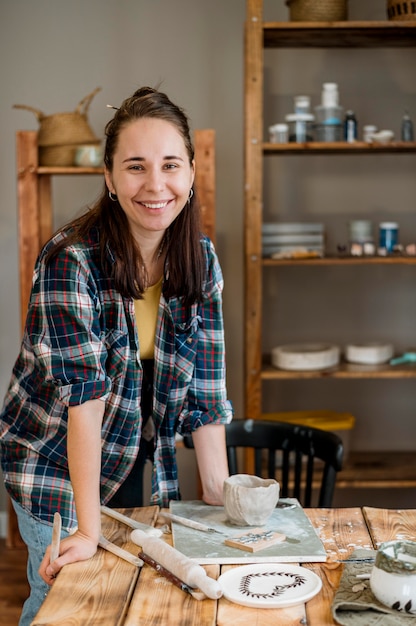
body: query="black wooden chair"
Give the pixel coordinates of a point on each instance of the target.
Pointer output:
(297, 456)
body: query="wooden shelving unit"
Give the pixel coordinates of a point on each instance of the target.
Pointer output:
(399, 469)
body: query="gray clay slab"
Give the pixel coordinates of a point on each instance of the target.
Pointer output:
(302, 543)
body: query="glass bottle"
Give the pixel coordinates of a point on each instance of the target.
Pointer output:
(350, 127)
(407, 128)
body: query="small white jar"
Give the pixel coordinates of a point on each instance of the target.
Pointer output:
(279, 133)
(393, 577)
(368, 132)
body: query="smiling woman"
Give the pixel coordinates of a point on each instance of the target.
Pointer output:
(123, 348)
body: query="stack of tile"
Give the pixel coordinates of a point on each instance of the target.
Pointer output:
(286, 240)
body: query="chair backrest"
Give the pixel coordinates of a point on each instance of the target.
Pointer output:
(293, 454)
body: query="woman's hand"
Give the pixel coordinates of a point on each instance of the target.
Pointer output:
(76, 547)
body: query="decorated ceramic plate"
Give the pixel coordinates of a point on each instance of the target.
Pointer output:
(269, 585)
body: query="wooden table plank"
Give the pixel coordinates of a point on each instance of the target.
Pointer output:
(389, 524)
(99, 593)
(341, 531)
(158, 601)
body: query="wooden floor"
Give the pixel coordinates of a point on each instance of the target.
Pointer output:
(14, 588)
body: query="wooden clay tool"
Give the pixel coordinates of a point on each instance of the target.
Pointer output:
(184, 521)
(120, 552)
(56, 537)
(149, 530)
(254, 540)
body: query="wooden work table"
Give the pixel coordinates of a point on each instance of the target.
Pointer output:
(109, 591)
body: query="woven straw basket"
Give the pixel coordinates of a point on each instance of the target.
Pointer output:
(318, 10)
(60, 134)
(404, 10)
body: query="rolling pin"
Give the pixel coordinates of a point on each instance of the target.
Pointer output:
(180, 565)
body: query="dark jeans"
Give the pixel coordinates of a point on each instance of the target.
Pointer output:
(130, 493)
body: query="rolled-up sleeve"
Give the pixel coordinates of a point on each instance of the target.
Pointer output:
(63, 328)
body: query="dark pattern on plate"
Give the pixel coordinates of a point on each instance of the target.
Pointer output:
(296, 581)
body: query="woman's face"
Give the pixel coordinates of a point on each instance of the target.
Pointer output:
(151, 175)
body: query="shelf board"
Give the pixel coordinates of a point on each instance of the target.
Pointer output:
(47, 170)
(339, 260)
(382, 470)
(339, 147)
(372, 470)
(344, 370)
(350, 34)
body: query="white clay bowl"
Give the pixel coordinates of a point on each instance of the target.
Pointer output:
(382, 136)
(305, 356)
(250, 500)
(369, 353)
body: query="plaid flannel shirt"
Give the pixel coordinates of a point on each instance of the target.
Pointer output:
(81, 343)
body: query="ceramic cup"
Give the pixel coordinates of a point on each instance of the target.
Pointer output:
(393, 577)
(249, 500)
(89, 156)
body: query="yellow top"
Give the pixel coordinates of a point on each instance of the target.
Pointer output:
(146, 311)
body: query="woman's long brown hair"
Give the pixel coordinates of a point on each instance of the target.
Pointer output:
(184, 254)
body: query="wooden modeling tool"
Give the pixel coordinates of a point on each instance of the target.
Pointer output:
(254, 540)
(120, 552)
(56, 537)
(184, 521)
(149, 530)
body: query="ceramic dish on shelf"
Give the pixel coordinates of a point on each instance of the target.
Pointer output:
(305, 356)
(309, 238)
(269, 585)
(286, 228)
(382, 136)
(369, 353)
(288, 250)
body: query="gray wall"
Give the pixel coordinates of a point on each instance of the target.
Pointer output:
(54, 52)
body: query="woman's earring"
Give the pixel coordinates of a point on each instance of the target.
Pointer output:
(112, 197)
(191, 193)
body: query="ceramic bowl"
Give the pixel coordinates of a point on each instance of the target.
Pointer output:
(250, 500)
(382, 136)
(89, 156)
(393, 577)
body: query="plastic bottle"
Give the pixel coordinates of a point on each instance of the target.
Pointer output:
(300, 127)
(407, 128)
(389, 236)
(350, 127)
(329, 115)
(302, 104)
